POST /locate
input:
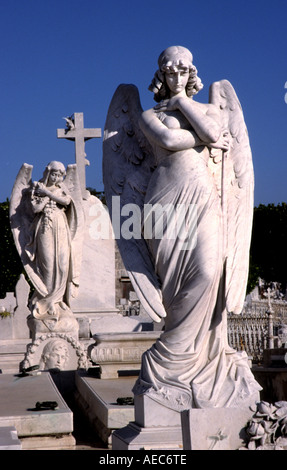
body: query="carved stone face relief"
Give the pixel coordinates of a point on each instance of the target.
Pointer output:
(55, 354)
(55, 351)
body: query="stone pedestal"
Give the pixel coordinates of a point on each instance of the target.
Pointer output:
(151, 414)
(65, 324)
(117, 352)
(214, 428)
(156, 427)
(134, 437)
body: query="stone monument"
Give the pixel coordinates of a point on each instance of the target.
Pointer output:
(184, 170)
(95, 302)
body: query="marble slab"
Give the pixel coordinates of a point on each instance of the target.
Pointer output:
(18, 398)
(98, 399)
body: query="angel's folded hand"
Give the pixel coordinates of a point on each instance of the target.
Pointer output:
(162, 106)
(41, 191)
(222, 143)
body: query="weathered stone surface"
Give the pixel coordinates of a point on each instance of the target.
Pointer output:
(98, 400)
(215, 428)
(116, 352)
(18, 398)
(134, 437)
(96, 291)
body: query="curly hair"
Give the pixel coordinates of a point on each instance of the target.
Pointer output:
(172, 59)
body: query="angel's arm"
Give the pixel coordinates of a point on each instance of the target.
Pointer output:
(63, 199)
(204, 120)
(170, 139)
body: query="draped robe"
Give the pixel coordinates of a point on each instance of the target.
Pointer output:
(191, 364)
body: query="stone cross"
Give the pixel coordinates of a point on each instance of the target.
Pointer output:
(75, 131)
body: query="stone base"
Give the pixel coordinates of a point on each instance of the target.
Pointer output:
(18, 398)
(151, 414)
(156, 427)
(214, 428)
(116, 352)
(134, 437)
(65, 442)
(97, 398)
(65, 323)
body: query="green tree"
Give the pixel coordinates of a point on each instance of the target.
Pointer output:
(268, 244)
(10, 264)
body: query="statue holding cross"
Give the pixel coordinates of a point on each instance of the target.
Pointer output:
(75, 131)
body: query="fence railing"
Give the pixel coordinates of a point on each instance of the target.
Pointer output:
(249, 333)
(257, 328)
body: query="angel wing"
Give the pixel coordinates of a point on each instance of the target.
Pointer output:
(237, 192)
(76, 221)
(128, 162)
(21, 221)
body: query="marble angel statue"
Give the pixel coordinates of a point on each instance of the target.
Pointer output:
(45, 220)
(182, 153)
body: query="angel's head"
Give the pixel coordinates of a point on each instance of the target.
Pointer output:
(54, 173)
(172, 60)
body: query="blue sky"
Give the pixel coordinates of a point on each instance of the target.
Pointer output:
(63, 56)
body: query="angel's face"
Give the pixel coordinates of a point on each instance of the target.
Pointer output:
(177, 80)
(55, 177)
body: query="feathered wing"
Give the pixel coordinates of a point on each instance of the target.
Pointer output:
(21, 221)
(237, 193)
(128, 162)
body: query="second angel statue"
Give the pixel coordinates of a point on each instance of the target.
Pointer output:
(182, 153)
